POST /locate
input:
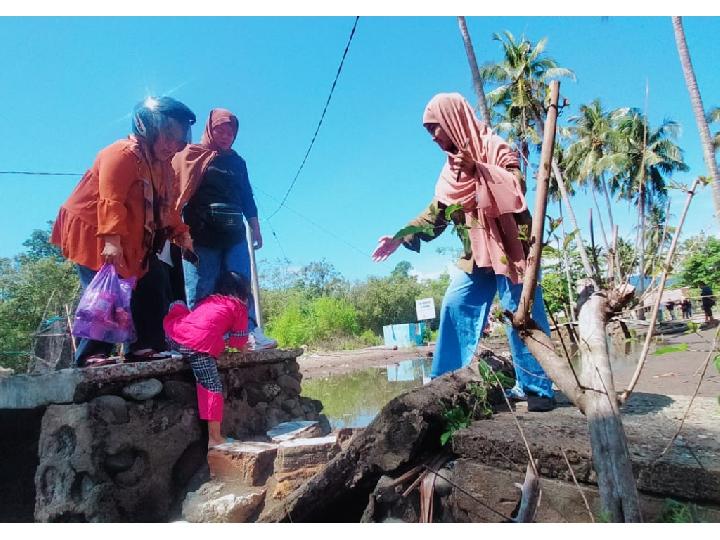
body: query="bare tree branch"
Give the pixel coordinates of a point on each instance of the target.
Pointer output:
(661, 287)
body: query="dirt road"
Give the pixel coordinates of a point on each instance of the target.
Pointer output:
(314, 365)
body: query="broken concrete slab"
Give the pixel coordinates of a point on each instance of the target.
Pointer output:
(299, 460)
(216, 503)
(32, 391)
(249, 463)
(287, 431)
(298, 453)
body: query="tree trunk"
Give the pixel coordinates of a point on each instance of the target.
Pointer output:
(477, 80)
(602, 225)
(566, 264)
(536, 234)
(566, 199)
(611, 458)
(699, 110)
(606, 192)
(405, 432)
(592, 389)
(641, 266)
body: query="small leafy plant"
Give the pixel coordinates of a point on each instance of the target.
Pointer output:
(459, 416)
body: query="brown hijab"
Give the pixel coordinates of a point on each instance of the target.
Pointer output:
(218, 117)
(191, 163)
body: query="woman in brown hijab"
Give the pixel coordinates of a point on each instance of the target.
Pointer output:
(214, 196)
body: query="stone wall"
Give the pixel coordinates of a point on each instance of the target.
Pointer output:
(122, 442)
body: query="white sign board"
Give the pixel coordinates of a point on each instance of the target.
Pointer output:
(425, 308)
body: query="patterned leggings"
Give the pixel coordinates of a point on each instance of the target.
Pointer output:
(209, 386)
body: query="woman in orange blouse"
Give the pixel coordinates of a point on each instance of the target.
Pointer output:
(121, 212)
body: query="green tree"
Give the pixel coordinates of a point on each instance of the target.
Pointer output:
(555, 292)
(703, 265)
(30, 289)
(39, 246)
(320, 278)
(522, 78)
(401, 270)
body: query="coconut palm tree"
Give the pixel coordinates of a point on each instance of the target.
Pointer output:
(522, 77)
(697, 105)
(641, 161)
(592, 131)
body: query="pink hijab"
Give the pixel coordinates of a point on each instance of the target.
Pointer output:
(491, 195)
(216, 118)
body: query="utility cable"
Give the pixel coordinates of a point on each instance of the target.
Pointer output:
(314, 224)
(322, 117)
(317, 225)
(33, 173)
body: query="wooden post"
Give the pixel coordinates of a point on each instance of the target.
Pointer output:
(254, 277)
(522, 315)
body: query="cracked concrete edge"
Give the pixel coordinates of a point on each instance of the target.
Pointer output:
(33, 391)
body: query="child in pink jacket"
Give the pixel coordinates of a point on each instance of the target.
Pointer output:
(200, 336)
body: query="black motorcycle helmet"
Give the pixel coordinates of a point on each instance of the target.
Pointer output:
(151, 115)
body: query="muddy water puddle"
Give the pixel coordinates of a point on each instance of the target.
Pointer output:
(354, 399)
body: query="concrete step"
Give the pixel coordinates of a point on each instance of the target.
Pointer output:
(248, 463)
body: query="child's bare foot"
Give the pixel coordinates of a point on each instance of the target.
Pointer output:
(216, 442)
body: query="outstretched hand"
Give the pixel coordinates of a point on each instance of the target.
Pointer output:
(386, 247)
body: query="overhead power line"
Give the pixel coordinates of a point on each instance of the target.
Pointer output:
(313, 223)
(33, 173)
(322, 117)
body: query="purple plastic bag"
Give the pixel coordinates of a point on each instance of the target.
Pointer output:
(103, 313)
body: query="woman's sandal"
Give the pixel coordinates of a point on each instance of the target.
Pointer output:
(146, 355)
(99, 360)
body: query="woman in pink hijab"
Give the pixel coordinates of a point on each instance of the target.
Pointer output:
(215, 198)
(479, 189)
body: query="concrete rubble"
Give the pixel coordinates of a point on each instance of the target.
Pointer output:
(248, 476)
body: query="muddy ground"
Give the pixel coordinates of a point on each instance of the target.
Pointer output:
(670, 374)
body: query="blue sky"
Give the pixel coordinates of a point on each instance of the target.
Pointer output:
(69, 84)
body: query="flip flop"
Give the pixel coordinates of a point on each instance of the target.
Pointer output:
(146, 356)
(99, 361)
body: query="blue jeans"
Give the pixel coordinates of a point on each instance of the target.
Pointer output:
(463, 316)
(200, 280)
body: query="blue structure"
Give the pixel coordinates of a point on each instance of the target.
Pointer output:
(404, 335)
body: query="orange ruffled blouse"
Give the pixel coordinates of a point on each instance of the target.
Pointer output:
(112, 199)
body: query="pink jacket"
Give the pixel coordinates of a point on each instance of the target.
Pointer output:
(203, 329)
